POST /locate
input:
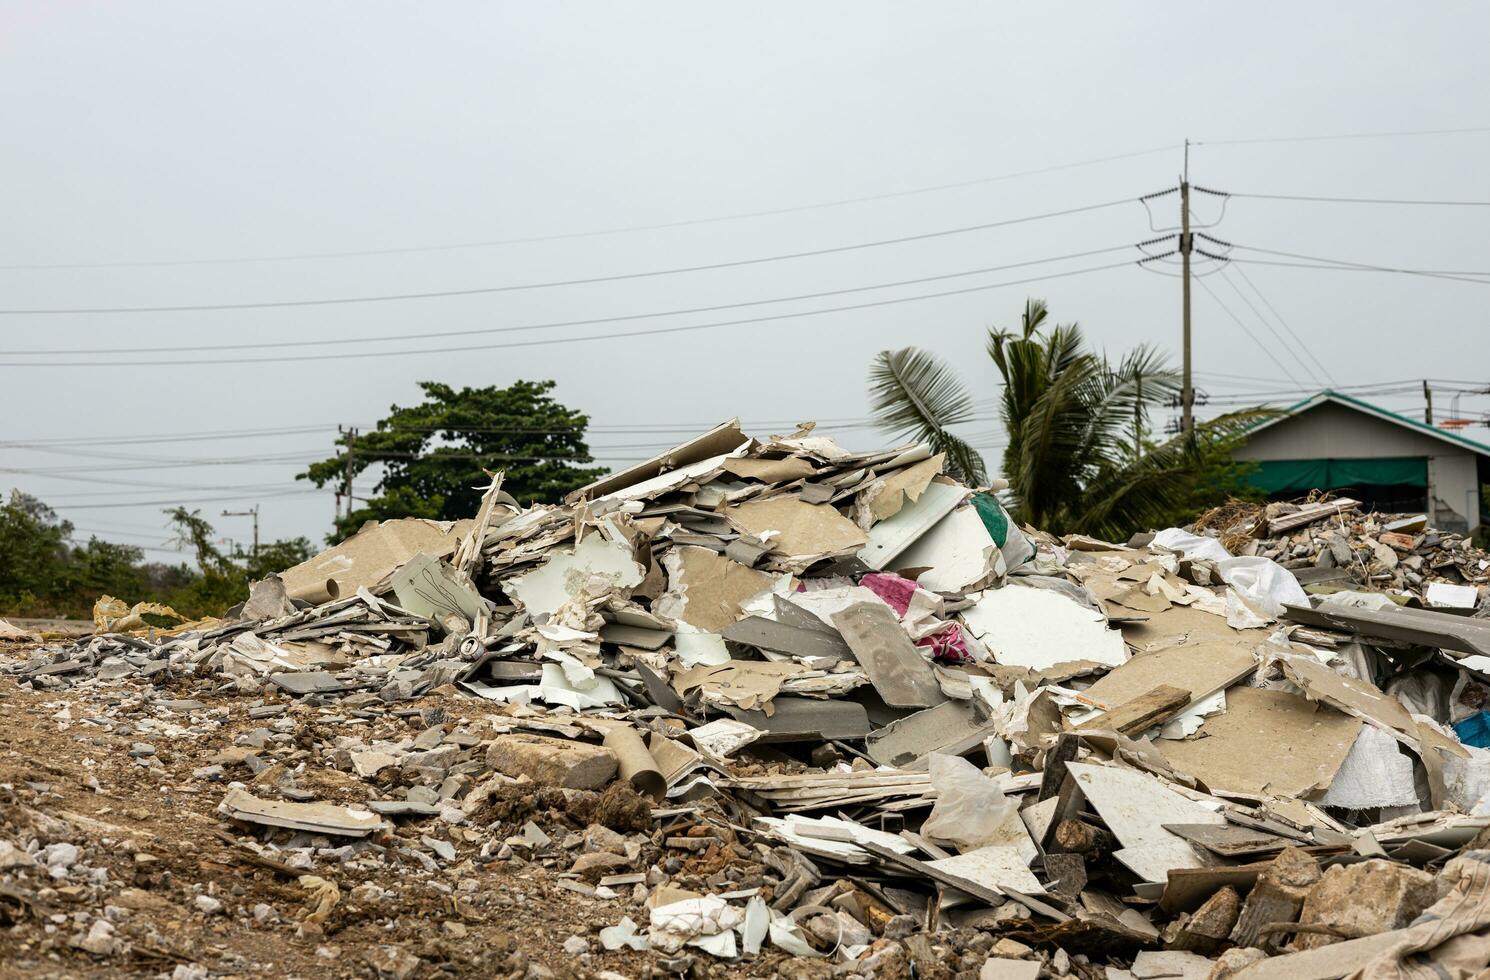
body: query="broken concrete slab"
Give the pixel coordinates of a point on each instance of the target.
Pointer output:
(779, 637)
(950, 728)
(315, 818)
(1364, 899)
(896, 667)
(798, 719)
(552, 761)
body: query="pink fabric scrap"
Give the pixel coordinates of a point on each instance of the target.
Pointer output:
(947, 645)
(895, 590)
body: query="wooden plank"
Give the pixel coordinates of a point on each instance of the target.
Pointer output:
(1186, 889)
(1310, 514)
(1143, 712)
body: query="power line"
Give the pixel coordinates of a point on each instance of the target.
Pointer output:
(67, 474)
(480, 331)
(690, 428)
(434, 450)
(1248, 331)
(135, 439)
(620, 277)
(1279, 317)
(1276, 335)
(655, 331)
(977, 181)
(1336, 267)
(1317, 377)
(1361, 200)
(120, 534)
(181, 502)
(1344, 136)
(1342, 265)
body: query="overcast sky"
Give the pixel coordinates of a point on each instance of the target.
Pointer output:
(152, 132)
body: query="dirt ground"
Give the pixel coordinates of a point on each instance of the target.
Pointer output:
(181, 892)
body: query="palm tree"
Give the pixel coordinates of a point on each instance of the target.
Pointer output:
(1079, 458)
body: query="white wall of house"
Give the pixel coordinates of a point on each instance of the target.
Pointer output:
(1333, 431)
(1454, 491)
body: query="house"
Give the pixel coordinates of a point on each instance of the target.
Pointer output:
(1387, 461)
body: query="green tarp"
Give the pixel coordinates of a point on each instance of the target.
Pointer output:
(1303, 475)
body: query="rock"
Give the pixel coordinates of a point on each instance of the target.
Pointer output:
(999, 968)
(882, 960)
(369, 764)
(139, 900)
(13, 857)
(393, 962)
(207, 905)
(1010, 949)
(599, 838)
(552, 761)
(1278, 896)
(443, 848)
(1209, 926)
(900, 926)
(1171, 963)
(1364, 899)
(597, 864)
(100, 939)
(59, 857)
(1234, 961)
(576, 945)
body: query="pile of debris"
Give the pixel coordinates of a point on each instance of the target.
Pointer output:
(774, 699)
(1329, 543)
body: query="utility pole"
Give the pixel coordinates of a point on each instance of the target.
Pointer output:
(1428, 402)
(1187, 391)
(251, 512)
(1138, 421)
(351, 457)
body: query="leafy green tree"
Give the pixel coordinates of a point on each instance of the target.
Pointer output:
(224, 578)
(104, 568)
(434, 455)
(1079, 456)
(33, 551)
(221, 583)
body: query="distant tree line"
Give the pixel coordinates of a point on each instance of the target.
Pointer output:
(46, 572)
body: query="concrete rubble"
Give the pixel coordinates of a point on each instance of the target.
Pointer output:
(769, 707)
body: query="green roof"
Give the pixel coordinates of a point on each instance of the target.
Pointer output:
(1331, 395)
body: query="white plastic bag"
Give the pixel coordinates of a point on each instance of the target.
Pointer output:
(970, 808)
(1259, 588)
(1191, 545)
